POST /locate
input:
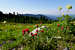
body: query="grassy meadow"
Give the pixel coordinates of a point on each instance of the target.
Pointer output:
(55, 36)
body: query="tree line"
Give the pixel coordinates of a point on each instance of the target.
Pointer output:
(23, 19)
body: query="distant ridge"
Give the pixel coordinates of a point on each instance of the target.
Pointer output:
(52, 17)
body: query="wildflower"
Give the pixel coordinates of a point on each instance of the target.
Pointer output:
(4, 42)
(43, 27)
(35, 34)
(37, 31)
(32, 34)
(62, 14)
(0, 45)
(58, 25)
(4, 22)
(25, 30)
(42, 30)
(62, 28)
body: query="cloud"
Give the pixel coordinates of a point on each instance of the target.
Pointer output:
(41, 12)
(23, 11)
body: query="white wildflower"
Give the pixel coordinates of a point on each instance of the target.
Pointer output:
(4, 22)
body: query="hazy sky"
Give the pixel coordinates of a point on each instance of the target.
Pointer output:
(35, 6)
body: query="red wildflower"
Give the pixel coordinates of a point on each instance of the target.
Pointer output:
(32, 35)
(37, 31)
(58, 25)
(42, 30)
(62, 28)
(35, 34)
(23, 32)
(26, 30)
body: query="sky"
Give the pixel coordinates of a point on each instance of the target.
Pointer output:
(35, 6)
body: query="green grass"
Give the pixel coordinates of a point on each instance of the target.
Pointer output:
(11, 31)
